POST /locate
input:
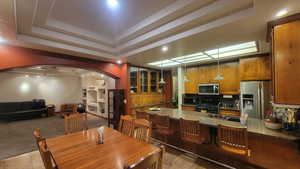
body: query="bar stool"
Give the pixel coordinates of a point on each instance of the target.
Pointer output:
(162, 126)
(142, 115)
(233, 140)
(193, 133)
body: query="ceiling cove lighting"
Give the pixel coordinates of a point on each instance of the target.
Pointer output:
(112, 3)
(225, 52)
(281, 13)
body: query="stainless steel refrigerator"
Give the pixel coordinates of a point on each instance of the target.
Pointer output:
(255, 98)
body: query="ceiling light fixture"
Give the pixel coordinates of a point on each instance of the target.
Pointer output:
(2, 39)
(281, 13)
(112, 3)
(119, 62)
(219, 75)
(240, 49)
(164, 48)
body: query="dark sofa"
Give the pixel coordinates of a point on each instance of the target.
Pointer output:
(22, 110)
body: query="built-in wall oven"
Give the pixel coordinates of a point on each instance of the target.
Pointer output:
(208, 89)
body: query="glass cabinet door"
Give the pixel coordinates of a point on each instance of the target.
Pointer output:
(144, 80)
(133, 79)
(153, 81)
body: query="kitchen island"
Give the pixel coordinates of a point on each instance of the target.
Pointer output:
(269, 148)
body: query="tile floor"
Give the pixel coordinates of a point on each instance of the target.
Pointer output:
(172, 160)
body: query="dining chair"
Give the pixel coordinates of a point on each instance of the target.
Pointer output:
(161, 126)
(142, 129)
(153, 161)
(75, 122)
(37, 135)
(142, 115)
(46, 155)
(126, 125)
(233, 140)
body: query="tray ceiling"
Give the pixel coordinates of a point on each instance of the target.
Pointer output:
(136, 30)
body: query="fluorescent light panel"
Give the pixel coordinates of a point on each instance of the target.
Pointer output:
(229, 51)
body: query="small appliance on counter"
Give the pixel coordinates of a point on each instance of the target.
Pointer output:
(230, 102)
(289, 121)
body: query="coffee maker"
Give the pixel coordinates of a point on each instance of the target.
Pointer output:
(298, 121)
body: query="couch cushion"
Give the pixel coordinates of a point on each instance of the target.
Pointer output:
(10, 107)
(28, 106)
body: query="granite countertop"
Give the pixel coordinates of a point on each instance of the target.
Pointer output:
(253, 125)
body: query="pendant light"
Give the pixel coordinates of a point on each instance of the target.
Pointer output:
(161, 75)
(185, 79)
(219, 75)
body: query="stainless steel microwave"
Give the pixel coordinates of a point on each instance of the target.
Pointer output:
(209, 89)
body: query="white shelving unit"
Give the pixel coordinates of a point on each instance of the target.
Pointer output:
(96, 96)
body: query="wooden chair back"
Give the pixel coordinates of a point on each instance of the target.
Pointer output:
(46, 155)
(37, 135)
(75, 122)
(142, 130)
(141, 115)
(194, 132)
(153, 161)
(126, 125)
(234, 140)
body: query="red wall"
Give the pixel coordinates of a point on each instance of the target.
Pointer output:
(13, 57)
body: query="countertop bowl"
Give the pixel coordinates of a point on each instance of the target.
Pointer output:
(272, 125)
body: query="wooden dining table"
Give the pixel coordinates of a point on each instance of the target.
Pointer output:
(81, 151)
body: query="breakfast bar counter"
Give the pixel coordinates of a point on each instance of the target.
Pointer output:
(262, 141)
(253, 125)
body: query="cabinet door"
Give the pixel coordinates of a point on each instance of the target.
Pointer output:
(286, 48)
(192, 85)
(255, 68)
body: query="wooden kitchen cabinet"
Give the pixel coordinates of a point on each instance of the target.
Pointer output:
(255, 68)
(206, 74)
(286, 63)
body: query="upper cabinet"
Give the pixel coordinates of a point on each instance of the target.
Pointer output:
(133, 79)
(255, 68)
(144, 80)
(206, 74)
(286, 63)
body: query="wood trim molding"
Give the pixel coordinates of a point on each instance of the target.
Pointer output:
(284, 20)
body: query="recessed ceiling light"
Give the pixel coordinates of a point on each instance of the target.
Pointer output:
(119, 61)
(281, 12)
(112, 3)
(2, 39)
(165, 48)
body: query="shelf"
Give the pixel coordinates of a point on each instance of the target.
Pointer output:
(101, 100)
(92, 104)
